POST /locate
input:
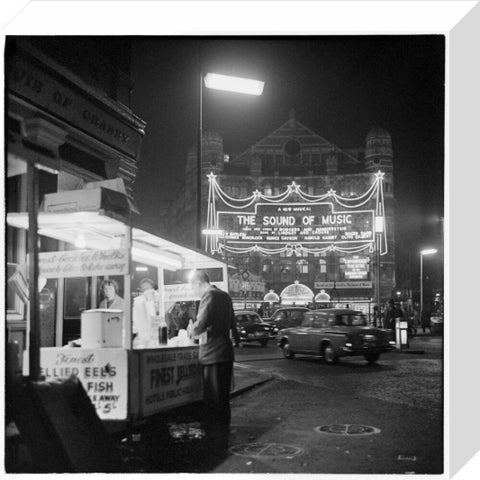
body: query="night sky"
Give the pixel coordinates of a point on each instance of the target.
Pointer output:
(339, 86)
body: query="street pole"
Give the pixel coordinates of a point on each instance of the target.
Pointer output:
(226, 262)
(429, 251)
(377, 275)
(216, 82)
(198, 229)
(421, 283)
(33, 272)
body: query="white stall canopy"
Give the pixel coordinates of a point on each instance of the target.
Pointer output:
(102, 230)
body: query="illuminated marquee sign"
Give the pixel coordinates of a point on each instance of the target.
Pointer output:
(356, 267)
(299, 223)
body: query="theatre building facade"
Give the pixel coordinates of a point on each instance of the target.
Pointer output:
(294, 207)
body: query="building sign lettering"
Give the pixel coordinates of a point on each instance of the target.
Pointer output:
(102, 372)
(80, 263)
(59, 98)
(351, 284)
(356, 267)
(169, 378)
(299, 223)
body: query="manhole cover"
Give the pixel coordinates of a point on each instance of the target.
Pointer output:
(266, 450)
(347, 429)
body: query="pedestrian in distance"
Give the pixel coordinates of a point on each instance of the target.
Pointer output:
(376, 320)
(214, 321)
(391, 314)
(425, 319)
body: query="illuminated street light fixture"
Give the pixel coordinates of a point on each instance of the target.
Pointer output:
(428, 251)
(234, 84)
(218, 82)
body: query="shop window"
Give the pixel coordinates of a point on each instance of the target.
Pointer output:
(267, 189)
(267, 267)
(302, 266)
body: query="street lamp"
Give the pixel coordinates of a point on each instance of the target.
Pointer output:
(379, 227)
(218, 82)
(428, 251)
(220, 233)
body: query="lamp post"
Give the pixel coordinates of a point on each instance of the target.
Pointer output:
(428, 251)
(223, 234)
(378, 235)
(217, 82)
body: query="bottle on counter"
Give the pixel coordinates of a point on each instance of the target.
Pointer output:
(163, 332)
(190, 328)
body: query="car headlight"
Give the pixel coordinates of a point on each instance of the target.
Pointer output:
(243, 331)
(348, 344)
(392, 342)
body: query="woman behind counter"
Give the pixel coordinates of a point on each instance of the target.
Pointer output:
(109, 289)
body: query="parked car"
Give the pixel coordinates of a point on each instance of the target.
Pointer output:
(333, 333)
(251, 328)
(286, 317)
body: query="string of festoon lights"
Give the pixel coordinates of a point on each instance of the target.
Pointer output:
(215, 192)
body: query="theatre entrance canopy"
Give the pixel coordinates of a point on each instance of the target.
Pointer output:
(296, 294)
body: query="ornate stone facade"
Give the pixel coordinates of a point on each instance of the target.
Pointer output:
(293, 152)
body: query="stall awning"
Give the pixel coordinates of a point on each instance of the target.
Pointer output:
(103, 230)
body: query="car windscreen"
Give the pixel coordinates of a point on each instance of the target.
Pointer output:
(350, 319)
(248, 318)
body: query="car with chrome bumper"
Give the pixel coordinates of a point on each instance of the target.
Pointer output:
(334, 333)
(251, 328)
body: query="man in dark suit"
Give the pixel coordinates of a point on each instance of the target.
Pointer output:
(215, 320)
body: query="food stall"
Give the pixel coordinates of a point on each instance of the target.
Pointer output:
(126, 378)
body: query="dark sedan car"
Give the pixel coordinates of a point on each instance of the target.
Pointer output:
(285, 317)
(251, 328)
(334, 333)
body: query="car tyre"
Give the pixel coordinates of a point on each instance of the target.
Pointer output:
(372, 358)
(264, 342)
(287, 353)
(329, 355)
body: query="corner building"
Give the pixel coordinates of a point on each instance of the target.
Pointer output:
(293, 152)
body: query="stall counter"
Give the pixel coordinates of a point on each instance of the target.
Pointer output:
(128, 384)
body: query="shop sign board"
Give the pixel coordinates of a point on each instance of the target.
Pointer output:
(183, 292)
(356, 267)
(81, 263)
(68, 102)
(297, 223)
(169, 377)
(103, 373)
(352, 284)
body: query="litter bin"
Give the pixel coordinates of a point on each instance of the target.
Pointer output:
(401, 333)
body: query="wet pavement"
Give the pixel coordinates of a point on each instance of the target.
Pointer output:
(285, 426)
